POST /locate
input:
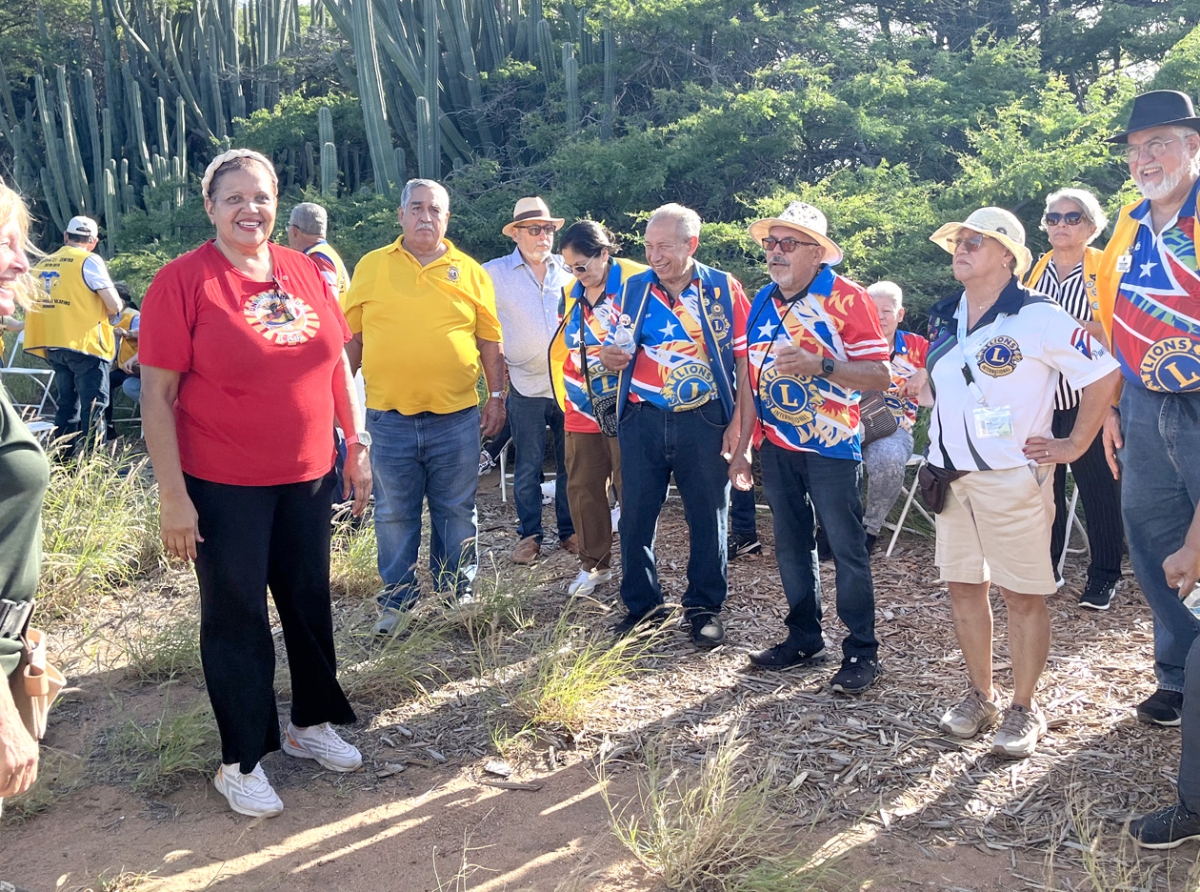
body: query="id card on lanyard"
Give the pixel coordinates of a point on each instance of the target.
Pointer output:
(990, 421)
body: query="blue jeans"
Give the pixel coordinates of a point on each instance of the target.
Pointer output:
(529, 417)
(81, 382)
(795, 483)
(1189, 759)
(1160, 485)
(743, 516)
(418, 457)
(654, 444)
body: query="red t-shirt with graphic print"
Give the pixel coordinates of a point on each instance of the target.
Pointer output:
(257, 362)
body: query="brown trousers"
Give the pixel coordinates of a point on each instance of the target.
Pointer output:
(592, 460)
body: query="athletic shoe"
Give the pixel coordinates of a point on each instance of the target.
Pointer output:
(970, 717)
(615, 517)
(1165, 828)
(1098, 595)
(248, 794)
(632, 621)
(486, 462)
(388, 620)
(856, 675)
(1020, 731)
(322, 743)
(1161, 708)
(587, 580)
(743, 543)
(785, 656)
(707, 630)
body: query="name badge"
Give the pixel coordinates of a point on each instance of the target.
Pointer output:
(1125, 262)
(993, 421)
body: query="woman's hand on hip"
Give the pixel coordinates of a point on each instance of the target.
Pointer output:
(356, 478)
(179, 527)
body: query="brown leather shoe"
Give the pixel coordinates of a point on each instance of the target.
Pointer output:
(571, 545)
(527, 550)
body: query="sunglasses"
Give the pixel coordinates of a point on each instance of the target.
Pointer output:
(786, 245)
(971, 242)
(1071, 218)
(538, 228)
(580, 270)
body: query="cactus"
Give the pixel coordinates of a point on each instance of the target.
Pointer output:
(571, 81)
(432, 58)
(426, 160)
(371, 94)
(324, 125)
(610, 84)
(329, 168)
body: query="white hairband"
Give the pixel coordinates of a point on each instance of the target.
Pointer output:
(230, 156)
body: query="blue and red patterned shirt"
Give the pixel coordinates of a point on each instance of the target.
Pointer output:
(908, 357)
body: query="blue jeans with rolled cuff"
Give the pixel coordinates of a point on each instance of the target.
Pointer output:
(530, 417)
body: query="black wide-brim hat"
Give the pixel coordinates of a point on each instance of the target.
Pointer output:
(1159, 108)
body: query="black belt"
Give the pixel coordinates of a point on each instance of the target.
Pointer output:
(14, 617)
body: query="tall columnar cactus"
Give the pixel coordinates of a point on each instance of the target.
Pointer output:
(426, 159)
(610, 84)
(329, 169)
(432, 60)
(571, 82)
(371, 94)
(324, 124)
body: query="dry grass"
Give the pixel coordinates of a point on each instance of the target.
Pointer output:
(160, 653)
(161, 755)
(59, 774)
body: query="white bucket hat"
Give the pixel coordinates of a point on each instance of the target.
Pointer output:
(803, 218)
(997, 223)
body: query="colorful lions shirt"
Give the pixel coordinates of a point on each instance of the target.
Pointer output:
(908, 358)
(1013, 356)
(586, 326)
(672, 369)
(835, 319)
(1156, 317)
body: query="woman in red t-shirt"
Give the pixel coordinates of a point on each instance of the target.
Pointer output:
(243, 372)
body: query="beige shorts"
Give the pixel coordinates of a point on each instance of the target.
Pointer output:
(996, 527)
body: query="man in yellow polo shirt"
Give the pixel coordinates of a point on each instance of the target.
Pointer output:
(71, 329)
(423, 315)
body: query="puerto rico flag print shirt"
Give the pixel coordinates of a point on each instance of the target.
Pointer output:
(836, 319)
(1156, 317)
(908, 358)
(672, 369)
(586, 325)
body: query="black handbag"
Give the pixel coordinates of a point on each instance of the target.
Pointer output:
(876, 418)
(934, 483)
(604, 408)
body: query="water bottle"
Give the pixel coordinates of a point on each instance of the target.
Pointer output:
(623, 335)
(1192, 602)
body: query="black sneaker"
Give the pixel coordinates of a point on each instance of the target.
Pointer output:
(743, 543)
(856, 675)
(707, 630)
(1098, 595)
(785, 656)
(1165, 828)
(1161, 708)
(634, 620)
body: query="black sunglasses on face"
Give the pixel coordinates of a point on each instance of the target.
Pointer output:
(1071, 218)
(787, 245)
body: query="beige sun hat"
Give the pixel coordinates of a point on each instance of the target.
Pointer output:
(998, 223)
(530, 210)
(803, 218)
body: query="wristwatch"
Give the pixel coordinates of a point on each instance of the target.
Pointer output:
(362, 438)
(497, 394)
(827, 367)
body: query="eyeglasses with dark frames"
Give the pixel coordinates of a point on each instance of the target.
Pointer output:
(538, 228)
(1071, 218)
(787, 245)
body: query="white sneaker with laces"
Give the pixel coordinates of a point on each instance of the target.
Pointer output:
(322, 743)
(248, 794)
(587, 580)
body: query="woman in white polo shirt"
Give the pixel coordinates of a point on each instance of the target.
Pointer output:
(996, 351)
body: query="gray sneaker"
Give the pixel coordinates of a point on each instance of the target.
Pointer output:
(968, 718)
(1019, 732)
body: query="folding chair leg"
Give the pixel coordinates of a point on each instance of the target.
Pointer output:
(908, 502)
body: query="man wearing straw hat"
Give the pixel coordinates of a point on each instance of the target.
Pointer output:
(813, 342)
(1148, 300)
(529, 283)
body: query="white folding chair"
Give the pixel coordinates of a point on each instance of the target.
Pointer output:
(40, 380)
(910, 501)
(1073, 523)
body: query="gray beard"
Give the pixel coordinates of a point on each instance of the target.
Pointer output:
(1166, 187)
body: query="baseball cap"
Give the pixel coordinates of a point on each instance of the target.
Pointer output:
(83, 226)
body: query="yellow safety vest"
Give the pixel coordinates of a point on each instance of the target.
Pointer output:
(68, 314)
(128, 348)
(325, 250)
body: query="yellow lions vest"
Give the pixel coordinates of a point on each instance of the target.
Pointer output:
(325, 251)
(128, 348)
(68, 314)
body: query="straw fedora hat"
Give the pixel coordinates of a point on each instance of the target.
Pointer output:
(804, 218)
(998, 223)
(530, 210)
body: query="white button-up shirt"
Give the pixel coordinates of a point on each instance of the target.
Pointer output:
(528, 318)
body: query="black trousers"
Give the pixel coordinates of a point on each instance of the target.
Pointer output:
(255, 538)
(1101, 497)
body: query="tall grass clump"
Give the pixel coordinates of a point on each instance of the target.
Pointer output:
(99, 524)
(353, 569)
(164, 753)
(162, 653)
(707, 830)
(383, 671)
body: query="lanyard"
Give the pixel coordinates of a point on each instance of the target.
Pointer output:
(967, 344)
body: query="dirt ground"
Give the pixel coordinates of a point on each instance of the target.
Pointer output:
(867, 785)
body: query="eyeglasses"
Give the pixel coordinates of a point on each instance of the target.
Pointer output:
(1071, 218)
(971, 242)
(1148, 151)
(538, 228)
(580, 270)
(787, 245)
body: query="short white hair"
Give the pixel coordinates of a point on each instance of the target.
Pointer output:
(1183, 133)
(310, 218)
(1092, 212)
(887, 289)
(433, 185)
(687, 220)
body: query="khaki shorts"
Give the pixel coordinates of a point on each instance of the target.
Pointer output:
(996, 527)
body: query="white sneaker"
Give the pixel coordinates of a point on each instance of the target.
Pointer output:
(615, 514)
(322, 743)
(1019, 732)
(248, 794)
(587, 580)
(388, 620)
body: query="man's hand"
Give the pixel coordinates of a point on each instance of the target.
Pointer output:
(793, 360)
(740, 473)
(1113, 441)
(356, 478)
(492, 418)
(131, 365)
(730, 440)
(1182, 569)
(179, 527)
(614, 358)
(18, 751)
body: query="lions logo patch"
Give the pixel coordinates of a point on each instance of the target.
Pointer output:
(452, 274)
(999, 357)
(282, 318)
(789, 401)
(688, 385)
(1172, 365)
